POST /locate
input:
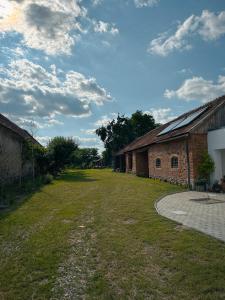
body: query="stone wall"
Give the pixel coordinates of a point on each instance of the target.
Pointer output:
(11, 167)
(165, 152)
(197, 144)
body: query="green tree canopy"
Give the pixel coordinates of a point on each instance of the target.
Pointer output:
(60, 151)
(123, 130)
(85, 157)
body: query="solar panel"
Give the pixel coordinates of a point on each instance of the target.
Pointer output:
(190, 118)
(183, 122)
(171, 127)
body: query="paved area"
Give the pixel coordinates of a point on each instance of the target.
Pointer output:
(204, 212)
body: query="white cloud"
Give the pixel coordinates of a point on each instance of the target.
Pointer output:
(19, 52)
(88, 131)
(36, 124)
(145, 3)
(96, 2)
(103, 27)
(16, 53)
(29, 90)
(198, 88)
(85, 142)
(212, 25)
(43, 140)
(44, 25)
(209, 26)
(161, 115)
(185, 71)
(82, 142)
(104, 120)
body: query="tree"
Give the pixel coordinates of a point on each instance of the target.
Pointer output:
(60, 151)
(85, 157)
(106, 157)
(142, 123)
(37, 154)
(122, 131)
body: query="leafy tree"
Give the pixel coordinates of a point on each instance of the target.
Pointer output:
(122, 131)
(85, 157)
(36, 154)
(142, 123)
(107, 158)
(59, 152)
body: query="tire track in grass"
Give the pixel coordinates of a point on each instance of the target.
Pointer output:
(76, 271)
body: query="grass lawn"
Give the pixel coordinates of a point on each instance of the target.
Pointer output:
(96, 235)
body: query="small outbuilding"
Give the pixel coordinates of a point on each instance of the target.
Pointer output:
(173, 151)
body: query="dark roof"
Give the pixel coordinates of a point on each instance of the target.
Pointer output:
(153, 136)
(16, 129)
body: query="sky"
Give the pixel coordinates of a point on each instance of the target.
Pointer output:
(70, 66)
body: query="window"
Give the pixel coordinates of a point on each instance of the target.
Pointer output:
(158, 163)
(174, 162)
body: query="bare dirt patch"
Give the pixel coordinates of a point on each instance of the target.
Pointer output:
(129, 221)
(181, 228)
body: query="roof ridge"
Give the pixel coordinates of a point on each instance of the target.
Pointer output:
(4, 121)
(151, 136)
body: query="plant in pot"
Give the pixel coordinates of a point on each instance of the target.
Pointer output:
(205, 168)
(216, 188)
(200, 185)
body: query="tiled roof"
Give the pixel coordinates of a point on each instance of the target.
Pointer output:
(153, 136)
(16, 129)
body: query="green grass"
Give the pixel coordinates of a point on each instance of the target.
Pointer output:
(96, 235)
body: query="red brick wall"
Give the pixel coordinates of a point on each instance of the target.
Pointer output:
(197, 145)
(165, 152)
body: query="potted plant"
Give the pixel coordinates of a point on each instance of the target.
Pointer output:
(205, 168)
(216, 188)
(200, 185)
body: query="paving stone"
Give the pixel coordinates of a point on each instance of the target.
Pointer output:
(207, 217)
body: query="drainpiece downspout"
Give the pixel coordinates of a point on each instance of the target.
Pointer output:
(188, 163)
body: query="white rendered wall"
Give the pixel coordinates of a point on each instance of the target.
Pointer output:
(216, 148)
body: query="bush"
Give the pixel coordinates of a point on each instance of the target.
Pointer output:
(206, 166)
(47, 179)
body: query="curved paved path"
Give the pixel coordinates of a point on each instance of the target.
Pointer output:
(202, 211)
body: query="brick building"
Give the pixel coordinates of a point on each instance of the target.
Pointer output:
(172, 151)
(12, 166)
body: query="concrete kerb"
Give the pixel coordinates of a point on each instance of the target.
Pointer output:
(160, 198)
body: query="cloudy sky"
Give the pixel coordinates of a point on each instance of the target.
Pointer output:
(69, 66)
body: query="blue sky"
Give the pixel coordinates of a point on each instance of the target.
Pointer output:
(70, 66)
